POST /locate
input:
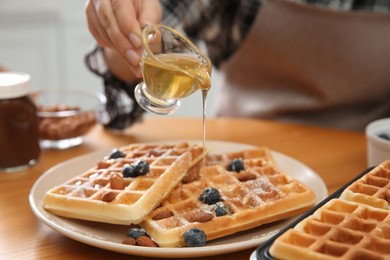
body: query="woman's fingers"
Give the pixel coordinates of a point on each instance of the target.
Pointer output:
(145, 12)
(108, 21)
(95, 27)
(117, 24)
(127, 19)
(150, 12)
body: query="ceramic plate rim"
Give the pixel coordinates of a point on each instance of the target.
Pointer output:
(35, 203)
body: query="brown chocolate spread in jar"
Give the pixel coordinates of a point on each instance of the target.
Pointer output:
(19, 135)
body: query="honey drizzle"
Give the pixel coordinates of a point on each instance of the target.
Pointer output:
(204, 98)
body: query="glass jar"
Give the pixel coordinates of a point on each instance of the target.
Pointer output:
(19, 133)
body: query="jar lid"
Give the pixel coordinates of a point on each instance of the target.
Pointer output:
(13, 84)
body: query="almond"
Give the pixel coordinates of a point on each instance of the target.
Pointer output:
(116, 182)
(202, 217)
(162, 214)
(129, 241)
(246, 176)
(145, 241)
(193, 174)
(103, 165)
(108, 196)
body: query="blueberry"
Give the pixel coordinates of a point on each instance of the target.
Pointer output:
(128, 171)
(115, 154)
(384, 136)
(136, 232)
(221, 209)
(236, 165)
(194, 237)
(142, 168)
(210, 196)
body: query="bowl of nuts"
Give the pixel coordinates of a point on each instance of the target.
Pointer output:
(66, 116)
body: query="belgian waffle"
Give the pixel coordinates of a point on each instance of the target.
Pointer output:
(103, 194)
(338, 230)
(259, 194)
(372, 189)
(354, 226)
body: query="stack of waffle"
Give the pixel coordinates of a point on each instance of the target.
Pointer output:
(166, 200)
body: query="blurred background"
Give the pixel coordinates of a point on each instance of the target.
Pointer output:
(48, 40)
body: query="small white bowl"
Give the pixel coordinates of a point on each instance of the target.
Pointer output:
(378, 143)
(66, 116)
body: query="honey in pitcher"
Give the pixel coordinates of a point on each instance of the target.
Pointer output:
(174, 76)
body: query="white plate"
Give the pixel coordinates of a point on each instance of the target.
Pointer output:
(109, 237)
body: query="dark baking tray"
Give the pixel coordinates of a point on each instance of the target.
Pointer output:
(262, 252)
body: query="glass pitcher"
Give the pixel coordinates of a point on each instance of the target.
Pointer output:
(172, 68)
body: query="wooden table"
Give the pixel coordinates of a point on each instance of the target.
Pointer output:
(335, 155)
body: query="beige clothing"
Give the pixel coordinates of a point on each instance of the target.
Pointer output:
(311, 65)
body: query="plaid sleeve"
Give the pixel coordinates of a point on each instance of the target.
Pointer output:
(122, 110)
(222, 25)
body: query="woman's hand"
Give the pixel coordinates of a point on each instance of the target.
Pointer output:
(117, 24)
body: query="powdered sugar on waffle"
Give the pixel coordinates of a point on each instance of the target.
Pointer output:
(259, 194)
